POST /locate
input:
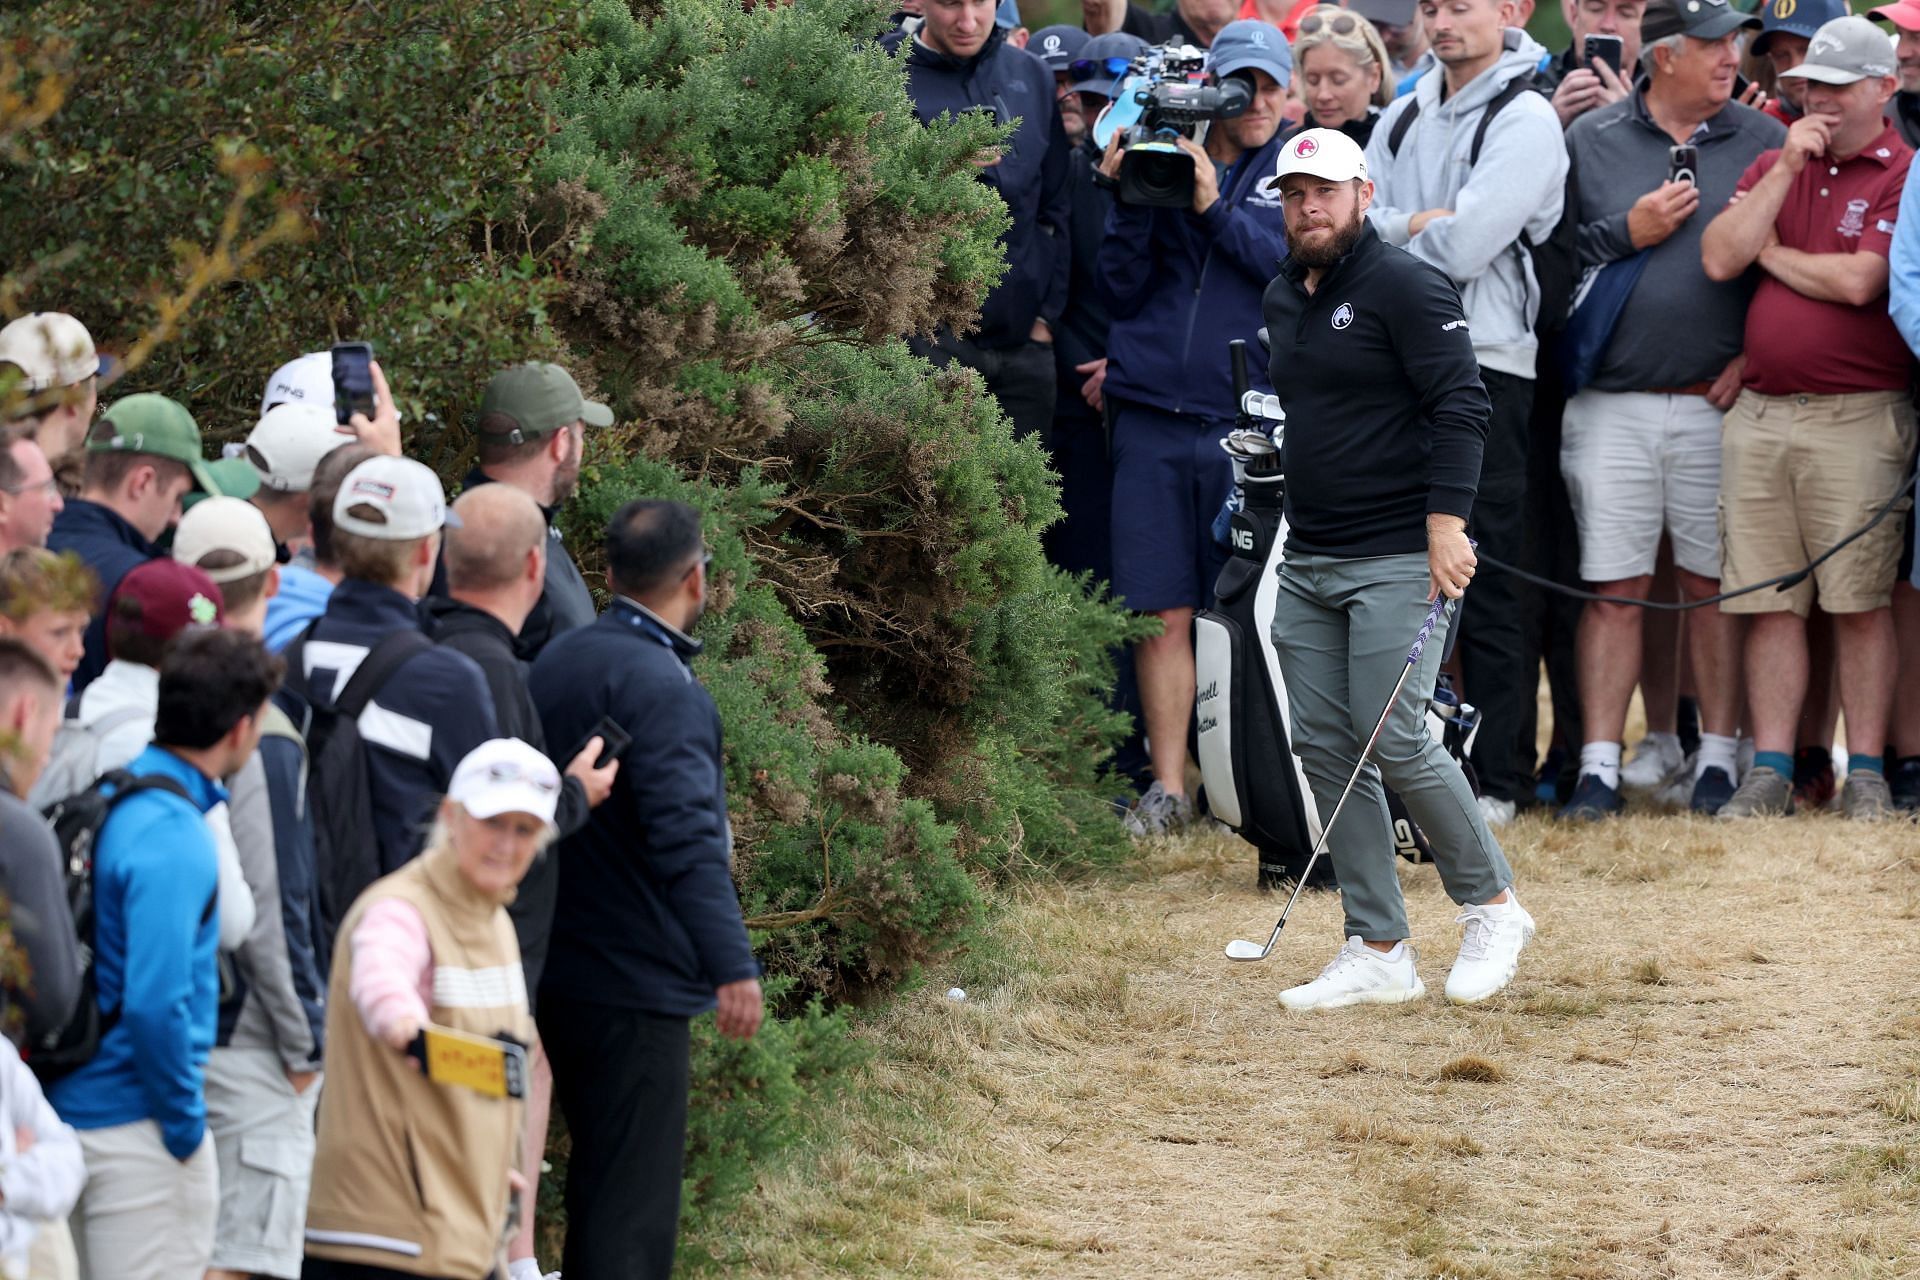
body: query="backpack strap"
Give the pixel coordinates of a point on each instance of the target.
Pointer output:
(377, 668)
(1514, 88)
(1398, 134)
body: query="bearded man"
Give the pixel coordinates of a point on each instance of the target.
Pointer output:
(1386, 421)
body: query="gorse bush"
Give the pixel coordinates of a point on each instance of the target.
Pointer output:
(724, 218)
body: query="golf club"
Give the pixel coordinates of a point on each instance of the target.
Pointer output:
(1240, 948)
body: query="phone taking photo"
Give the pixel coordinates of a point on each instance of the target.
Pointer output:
(352, 381)
(1608, 49)
(1683, 164)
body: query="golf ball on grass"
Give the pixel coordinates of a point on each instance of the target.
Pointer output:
(955, 993)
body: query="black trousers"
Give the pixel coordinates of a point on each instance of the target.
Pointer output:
(620, 1077)
(1495, 623)
(1021, 377)
(321, 1269)
(1552, 551)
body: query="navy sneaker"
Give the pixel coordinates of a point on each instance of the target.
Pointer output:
(1711, 790)
(1905, 783)
(1592, 801)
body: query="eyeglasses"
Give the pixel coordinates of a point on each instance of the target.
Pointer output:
(706, 558)
(505, 774)
(49, 486)
(1097, 68)
(1340, 24)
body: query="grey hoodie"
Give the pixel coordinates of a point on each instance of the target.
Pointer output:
(1519, 185)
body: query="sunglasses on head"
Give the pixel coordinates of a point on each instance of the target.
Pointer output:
(1339, 24)
(1097, 68)
(503, 774)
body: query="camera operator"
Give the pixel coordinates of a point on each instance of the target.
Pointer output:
(959, 60)
(1198, 273)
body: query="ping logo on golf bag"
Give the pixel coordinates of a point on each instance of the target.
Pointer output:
(1404, 843)
(1242, 539)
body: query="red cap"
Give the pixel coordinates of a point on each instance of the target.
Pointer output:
(171, 597)
(1904, 15)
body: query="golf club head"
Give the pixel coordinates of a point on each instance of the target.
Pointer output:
(1241, 949)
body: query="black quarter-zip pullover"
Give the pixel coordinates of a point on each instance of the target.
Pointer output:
(1386, 414)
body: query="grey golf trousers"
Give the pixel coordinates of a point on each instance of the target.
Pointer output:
(1342, 628)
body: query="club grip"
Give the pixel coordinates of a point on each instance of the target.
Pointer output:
(1237, 353)
(1426, 628)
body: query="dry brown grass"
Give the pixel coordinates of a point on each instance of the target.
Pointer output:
(1707, 1068)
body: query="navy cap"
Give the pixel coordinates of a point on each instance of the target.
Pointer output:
(1058, 45)
(1796, 17)
(1093, 72)
(1251, 44)
(1007, 15)
(1701, 19)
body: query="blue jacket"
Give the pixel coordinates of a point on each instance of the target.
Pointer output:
(302, 597)
(433, 710)
(1081, 334)
(646, 916)
(1182, 284)
(156, 927)
(112, 548)
(1031, 176)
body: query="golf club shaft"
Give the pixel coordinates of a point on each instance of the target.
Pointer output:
(1319, 846)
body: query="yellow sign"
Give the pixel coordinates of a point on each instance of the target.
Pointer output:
(496, 1068)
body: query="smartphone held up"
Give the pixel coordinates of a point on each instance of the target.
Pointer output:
(352, 381)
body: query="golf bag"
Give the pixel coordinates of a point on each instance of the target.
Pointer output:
(1254, 781)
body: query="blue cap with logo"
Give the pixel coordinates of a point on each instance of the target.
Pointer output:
(1250, 44)
(1104, 61)
(1058, 45)
(1007, 16)
(1796, 18)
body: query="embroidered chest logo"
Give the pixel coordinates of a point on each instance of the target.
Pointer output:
(1343, 315)
(1854, 221)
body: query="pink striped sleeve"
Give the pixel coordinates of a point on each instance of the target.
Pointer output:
(392, 972)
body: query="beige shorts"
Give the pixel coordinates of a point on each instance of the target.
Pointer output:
(1798, 474)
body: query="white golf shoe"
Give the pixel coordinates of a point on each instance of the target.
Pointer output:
(1654, 761)
(1489, 949)
(1360, 975)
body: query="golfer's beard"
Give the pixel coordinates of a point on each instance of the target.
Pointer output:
(1322, 255)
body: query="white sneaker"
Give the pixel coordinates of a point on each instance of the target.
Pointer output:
(1359, 975)
(1497, 812)
(1654, 760)
(1489, 949)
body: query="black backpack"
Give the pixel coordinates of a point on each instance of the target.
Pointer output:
(1556, 259)
(76, 822)
(346, 845)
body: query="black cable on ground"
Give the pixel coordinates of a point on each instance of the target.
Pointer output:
(1784, 582)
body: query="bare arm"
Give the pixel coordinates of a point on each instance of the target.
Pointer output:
(1735, 238)
(1853, 279)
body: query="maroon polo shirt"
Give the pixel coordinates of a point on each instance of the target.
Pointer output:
(1798, 345)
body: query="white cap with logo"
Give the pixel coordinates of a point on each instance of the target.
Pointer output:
(1322, 153)
(505, 775)
(406, 494)
(306, 380)
(289, 441)
(51, 348)
(225, 524)
(1847, 50)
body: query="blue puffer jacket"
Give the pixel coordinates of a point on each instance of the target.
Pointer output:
(1031, 176)
(1182, 284)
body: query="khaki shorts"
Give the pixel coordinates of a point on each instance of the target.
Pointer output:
(263, 1137)
(1798, 474)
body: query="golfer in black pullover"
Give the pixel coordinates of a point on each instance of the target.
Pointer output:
(1386, 417)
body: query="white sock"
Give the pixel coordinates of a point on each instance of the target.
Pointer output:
(524, 1269)
(1602, 760)
(1668, 740)
(1717, 751)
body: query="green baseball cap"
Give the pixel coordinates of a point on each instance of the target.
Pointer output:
(232, 478)
(541, 398)
(149, 423)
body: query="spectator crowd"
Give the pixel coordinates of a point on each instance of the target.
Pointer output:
(294, 753)
(1694, 305)
(340, 836)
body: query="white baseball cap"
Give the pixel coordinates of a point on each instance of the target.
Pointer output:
(505, 775)
(405, 492)
(51, 348)
(225, 524)
(1323, 153)
(307, 380)
(288, 442)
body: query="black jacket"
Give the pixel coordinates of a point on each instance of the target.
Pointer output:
(1905, 111)
(647, 916)
(1081, 334)
(112, 548)
(1031, 175)
(1386, 414)
(565, 604)
(1158, 28)
(486, 640)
